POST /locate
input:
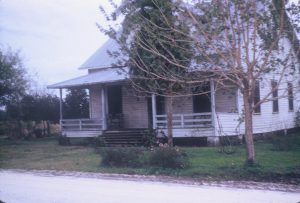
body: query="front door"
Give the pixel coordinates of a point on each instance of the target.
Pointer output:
(202, 100)
(115, 111)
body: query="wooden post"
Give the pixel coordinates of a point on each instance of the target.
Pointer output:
(182, 120)
(213, 107)
(154, 110)
(60, 108)
(103, 101)
(170, 120)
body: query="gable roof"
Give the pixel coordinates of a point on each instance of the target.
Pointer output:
(101, 58)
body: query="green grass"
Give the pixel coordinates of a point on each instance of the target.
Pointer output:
(270, 163)
(46, 154)
(278, 159)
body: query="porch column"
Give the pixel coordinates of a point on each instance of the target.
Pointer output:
(213, 107)
(153, 97)
(103, 102)
(60, 108)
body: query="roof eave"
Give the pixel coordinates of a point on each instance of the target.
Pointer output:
(56, 86)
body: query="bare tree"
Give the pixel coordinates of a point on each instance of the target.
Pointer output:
(240, 42)
(245, 42)
(143, 32)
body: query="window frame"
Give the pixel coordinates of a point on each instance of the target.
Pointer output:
(256, 99)
(275, 103)
(290, 96)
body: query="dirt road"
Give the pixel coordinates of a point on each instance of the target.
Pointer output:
(39, 187)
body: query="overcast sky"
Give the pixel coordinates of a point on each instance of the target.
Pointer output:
(54, 36)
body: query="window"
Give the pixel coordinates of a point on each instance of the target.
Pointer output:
(257, 97)
(274, 85)
(290, 97)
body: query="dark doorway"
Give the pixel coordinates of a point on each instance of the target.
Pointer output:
(202, 101)
(160, 108)
(114, 99)
(150, 111)
(160, 105)
(115, 111)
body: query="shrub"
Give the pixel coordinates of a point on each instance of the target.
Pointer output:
(100, 142)
(228, 144)
(3, 128)
(285, 143)
(38, 133)
(149, 138)
(121, 157)
(63, 140)
(168, 157)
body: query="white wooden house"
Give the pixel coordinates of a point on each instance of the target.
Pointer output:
(114, 106)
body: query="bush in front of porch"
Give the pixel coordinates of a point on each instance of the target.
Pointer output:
(121, 156)
(161, 157)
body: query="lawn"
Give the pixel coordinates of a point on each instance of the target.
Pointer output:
(46, 154)
(278, 159)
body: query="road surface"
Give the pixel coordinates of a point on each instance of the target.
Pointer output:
(31, 187)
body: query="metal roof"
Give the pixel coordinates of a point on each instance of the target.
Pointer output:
(101, 58)
(102, 76)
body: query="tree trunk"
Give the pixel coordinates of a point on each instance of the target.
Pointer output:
(48, 128)
(44, 128)
(20, 129)
(170, 120)
(249, 130)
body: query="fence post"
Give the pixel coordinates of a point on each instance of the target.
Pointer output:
(213, 108)
(182, 120)
(153, 97)
(103, 107)
(61, 125)
(80, 125)
(60, 109)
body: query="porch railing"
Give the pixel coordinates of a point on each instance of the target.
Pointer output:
(81, 124)
(193, 120)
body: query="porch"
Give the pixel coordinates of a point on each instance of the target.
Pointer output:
(115, 106)
(184, 125)
(201, 122)
(129, 112)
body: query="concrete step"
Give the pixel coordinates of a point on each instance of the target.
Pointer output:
(126, 137)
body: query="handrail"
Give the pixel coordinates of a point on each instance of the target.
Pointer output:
(191, 120)
(81, 124)
(187, 114)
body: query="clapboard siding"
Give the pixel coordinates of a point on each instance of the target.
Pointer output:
(267, 121)
(135, 109)
(95, 102)
(188, 132)
(227, 124)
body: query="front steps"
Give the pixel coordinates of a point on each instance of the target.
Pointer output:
(130, 137)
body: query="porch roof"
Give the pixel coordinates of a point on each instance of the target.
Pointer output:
(103, 76)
